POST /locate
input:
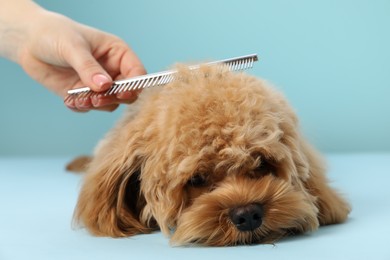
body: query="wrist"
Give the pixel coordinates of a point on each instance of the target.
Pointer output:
(14, 26)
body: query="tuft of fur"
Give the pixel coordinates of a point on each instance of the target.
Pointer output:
(231, 130)
(79, 164)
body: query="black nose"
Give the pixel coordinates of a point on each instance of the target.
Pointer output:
(247, 217)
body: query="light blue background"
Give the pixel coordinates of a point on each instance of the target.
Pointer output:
(330, 58)
(37, 199)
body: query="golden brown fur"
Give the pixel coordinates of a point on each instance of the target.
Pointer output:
(199, 147)
(79, 165)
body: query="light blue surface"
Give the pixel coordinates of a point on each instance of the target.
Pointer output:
(331, 59)
(37, 198)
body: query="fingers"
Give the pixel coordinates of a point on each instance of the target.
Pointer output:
(97, 67)
(99, 102)
(87, 104)
(109, 108)
(128, 97)
(131, 65)
(91, 73)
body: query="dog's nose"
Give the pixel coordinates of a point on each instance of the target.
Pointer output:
(247, 217)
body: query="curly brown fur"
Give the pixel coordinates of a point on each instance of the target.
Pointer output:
(192, 151)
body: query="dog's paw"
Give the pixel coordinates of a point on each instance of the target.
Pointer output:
(334, 208)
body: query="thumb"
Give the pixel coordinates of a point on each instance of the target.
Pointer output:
(89, 70)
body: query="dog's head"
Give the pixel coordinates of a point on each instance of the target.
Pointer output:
(214, 158)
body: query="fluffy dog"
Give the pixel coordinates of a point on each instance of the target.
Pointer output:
(214, 158)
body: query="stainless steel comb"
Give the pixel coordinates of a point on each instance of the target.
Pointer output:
(161, 78)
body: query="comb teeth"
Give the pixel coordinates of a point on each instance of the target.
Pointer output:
(160, 78)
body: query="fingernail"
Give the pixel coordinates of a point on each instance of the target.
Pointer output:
(69, 102)
(102, 81)
(94, 100)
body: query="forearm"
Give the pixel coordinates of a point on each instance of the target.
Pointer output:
(15, 18)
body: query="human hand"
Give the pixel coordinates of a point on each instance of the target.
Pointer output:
(62, 54)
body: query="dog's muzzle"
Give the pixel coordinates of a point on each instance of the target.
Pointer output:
(247, 217)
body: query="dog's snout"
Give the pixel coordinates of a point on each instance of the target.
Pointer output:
(247, 217)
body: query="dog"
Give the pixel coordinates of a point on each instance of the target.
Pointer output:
(214, 158)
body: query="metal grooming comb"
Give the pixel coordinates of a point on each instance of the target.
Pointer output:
(161, 78)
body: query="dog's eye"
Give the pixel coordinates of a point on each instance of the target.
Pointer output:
(197, 180)
(264, 168)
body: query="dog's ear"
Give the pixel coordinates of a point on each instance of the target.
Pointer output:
(331, 205)
(110, 201)
(79, 164)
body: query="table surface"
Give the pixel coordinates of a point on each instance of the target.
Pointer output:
(37, 198)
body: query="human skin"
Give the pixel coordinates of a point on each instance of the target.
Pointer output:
(62, 54)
